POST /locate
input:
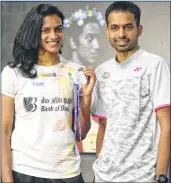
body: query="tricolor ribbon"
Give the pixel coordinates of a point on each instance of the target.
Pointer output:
(48, 74)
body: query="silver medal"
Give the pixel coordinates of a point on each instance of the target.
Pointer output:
(81, 78)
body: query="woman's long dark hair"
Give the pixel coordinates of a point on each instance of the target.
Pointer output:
(27, 40)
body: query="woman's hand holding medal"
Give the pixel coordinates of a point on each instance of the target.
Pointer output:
(86, 78)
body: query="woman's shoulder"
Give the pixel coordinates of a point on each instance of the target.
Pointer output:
(11, 71)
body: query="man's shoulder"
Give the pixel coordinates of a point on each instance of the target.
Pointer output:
(104, 65)
(152, 58)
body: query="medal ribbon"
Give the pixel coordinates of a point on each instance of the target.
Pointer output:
(77, 110)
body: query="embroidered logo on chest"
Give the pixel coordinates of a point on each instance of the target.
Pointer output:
(105, 75)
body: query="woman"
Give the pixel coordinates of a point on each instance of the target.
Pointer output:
(38, 89)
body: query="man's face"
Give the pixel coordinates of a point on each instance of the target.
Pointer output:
(52, 34)
(88, 47)
(122, 31)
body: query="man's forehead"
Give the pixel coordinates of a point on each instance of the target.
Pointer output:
(121, 18)
(123, 24)
(93, 28)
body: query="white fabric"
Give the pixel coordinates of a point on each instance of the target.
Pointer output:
(128, 94)
(43, 143)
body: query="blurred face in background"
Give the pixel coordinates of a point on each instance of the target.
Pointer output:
(88, 47)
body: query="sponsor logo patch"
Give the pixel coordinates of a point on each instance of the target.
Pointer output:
(105, 75)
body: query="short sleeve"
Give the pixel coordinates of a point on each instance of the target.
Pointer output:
(161, 85)
(8, 78)
(97, 103)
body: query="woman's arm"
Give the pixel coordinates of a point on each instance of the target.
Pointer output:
(7, 121)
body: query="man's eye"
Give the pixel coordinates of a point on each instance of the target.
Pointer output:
(129, 27)
(89, 38)
(114, 28)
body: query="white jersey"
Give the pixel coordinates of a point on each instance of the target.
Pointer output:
(43, 143)
(129, 94)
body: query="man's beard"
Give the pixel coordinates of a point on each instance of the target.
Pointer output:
(122, 49)
(130, 48)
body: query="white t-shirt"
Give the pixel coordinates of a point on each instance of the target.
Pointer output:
(128, 94)
(43, 143)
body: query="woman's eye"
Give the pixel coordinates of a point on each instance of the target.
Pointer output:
(45, 30)
(59, 29)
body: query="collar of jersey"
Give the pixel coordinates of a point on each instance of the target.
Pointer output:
(129, 59)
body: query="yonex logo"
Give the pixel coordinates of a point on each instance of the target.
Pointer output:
(137, 69)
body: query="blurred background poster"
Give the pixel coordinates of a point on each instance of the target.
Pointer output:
(85, 40)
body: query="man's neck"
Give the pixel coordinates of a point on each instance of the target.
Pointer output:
(75, 58)
(48, 59)
(121, 56)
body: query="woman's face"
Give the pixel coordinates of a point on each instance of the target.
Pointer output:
(52, 34)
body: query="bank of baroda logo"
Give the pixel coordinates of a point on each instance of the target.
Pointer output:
(30, 104)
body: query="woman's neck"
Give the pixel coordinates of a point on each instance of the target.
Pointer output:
(48, 59)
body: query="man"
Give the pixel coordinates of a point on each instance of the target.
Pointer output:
(42, 89)
(132, 100)
(83, 33)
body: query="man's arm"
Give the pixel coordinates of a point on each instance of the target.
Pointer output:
(163, 156)
(7, 121)
(100, 136)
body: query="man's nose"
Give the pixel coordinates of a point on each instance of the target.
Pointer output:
(121, 32)
(95, 43)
